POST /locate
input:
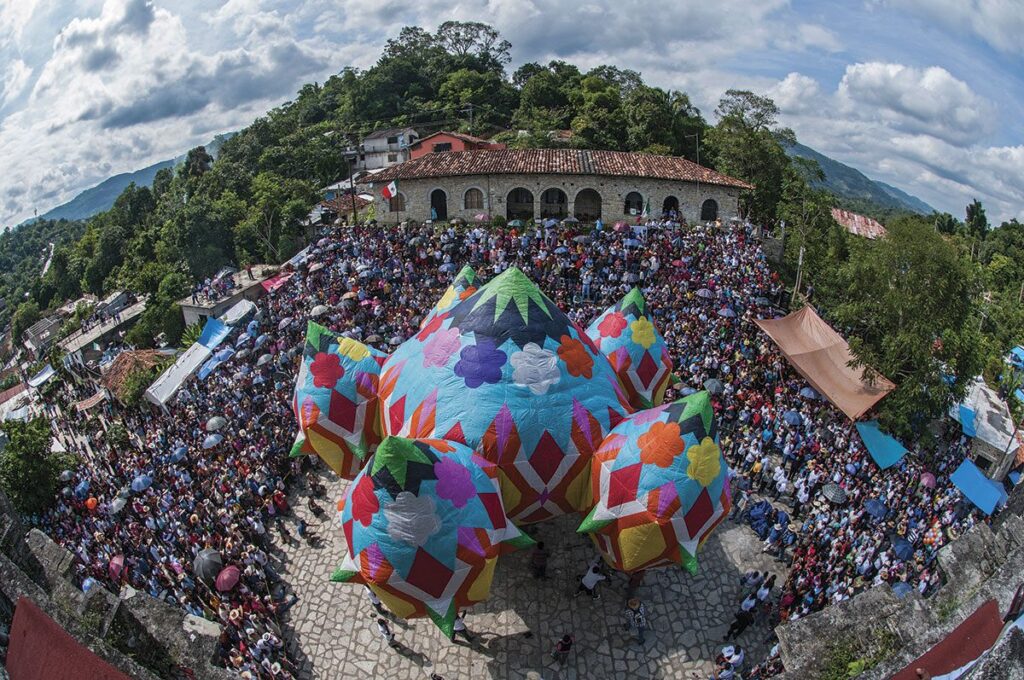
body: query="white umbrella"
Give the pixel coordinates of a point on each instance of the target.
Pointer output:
(284, 323)
(319, 310)
(264, 360)
(215, 423)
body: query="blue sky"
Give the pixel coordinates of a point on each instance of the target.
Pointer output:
(923, 94)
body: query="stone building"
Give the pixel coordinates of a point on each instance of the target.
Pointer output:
(553, 183)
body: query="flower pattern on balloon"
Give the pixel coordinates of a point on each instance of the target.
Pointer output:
(576, 357)
(643, 332)
(412, 519)
(440, 348)
(535, 368)
(326, 369)
(661, 444)
(480, 363)
(705, 461)
(353, 349)
(364, 501)
(612, 325)
(454, 482)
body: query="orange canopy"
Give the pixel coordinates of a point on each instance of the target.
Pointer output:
(821, 356)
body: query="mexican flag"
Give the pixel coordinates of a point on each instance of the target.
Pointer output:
(390, 191)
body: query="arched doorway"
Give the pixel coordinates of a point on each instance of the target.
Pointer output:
(519, 204)
(554, 203)
(439, 205)
(670, 205)
(709, 210)
(634, 204)
(587, 206)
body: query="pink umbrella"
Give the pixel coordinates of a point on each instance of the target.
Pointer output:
(620, 226)
(116, 566)
(228, 578)
(928, 480)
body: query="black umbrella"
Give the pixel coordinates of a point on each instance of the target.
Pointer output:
(207, 565)
(834, 493)
(714, 386)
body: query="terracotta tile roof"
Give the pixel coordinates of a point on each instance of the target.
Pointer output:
(469, 139)
(342, 204)
(858, 225)
(555, 162)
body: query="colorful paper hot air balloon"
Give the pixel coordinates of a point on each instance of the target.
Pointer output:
(660, 486)
(424, 524)
(507, 373)
(625, 333)
(463, 285)
(335, 400)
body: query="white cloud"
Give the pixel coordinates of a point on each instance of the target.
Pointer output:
(1000, 23)
(920, 129)
(14, 81)
(913, 100)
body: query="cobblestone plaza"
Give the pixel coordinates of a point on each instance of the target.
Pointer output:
(515, 630)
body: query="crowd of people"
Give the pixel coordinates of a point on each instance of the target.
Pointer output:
(149, 498)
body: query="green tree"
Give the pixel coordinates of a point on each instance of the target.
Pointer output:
(29, 471)
(748, 144)
(946, 223)
(908, 305)
(650, 120)
(26, 315)
(600, 122)
(976, 223)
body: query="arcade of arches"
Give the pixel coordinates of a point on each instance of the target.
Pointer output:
(541, 197)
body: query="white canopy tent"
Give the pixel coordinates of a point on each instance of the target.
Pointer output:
(167, 385)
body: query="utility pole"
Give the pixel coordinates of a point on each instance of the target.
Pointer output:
(799, 277)
(696, 136)
(469, 110)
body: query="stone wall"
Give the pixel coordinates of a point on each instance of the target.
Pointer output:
(983, 564)
(496, 189)
(144, 637)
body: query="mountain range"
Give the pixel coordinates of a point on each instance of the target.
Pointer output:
(102, 196)
(842, 180)
(852, 184)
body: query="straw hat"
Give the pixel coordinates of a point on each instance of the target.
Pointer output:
(634, 603)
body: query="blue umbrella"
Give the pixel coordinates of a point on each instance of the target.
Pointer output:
(212, 440)
(705, 293)
(809, 393)
(552, 222)
(178, 454)
(561, 249)
(902, 589)
(793, 418)
(727, 313)
(82, 490)
(903, 548)
(262, 340)
(88, 584)
(876, 508)
(141, 483)
(687, 391)
(253, 326)
(242, 339)
(224, 354)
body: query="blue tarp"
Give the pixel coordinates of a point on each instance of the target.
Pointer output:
(42, 376)
(216, 360)
(1017, 354)
(213, 333)
(883, 448)
(1019, 393)
(978, 488)
(965, 416)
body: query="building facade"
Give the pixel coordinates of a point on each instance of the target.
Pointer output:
(384, 148)
(554, 183)
(445, 142)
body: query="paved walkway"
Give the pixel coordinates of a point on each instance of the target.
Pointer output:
(334, 624)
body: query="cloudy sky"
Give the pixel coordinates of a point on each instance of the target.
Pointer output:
(923, 94)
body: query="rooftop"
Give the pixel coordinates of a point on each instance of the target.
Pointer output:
(858, 225)
(388, 132)
(556, 162)
(469, 139)
(240, 283)
(82, 339)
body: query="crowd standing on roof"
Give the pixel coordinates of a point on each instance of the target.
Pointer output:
(139, 512)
